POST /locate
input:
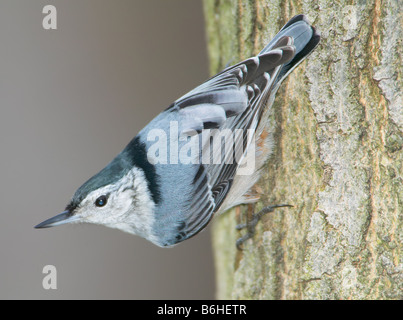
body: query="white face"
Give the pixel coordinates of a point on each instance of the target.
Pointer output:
(125, 205)
(106, 205)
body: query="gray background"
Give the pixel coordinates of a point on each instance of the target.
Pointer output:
(70, 100)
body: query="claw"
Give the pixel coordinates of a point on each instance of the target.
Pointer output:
(241, 240)
(241, 226)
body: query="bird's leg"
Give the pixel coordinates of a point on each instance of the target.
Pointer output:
(251, 224)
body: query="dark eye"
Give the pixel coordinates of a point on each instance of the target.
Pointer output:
(101, 201)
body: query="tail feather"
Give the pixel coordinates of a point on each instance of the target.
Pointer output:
(305, 37)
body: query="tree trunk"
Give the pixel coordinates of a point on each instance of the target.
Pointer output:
(338, 157)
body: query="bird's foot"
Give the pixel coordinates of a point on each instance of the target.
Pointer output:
(251, 224)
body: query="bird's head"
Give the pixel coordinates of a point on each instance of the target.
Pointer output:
(115, 197)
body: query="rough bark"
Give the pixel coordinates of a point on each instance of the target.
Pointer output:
(338, 157)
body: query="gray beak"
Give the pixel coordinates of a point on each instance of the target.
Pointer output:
(62, 218)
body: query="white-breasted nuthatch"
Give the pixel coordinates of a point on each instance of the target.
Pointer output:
(167, 202)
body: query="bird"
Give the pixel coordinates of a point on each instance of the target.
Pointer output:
(173, 177)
